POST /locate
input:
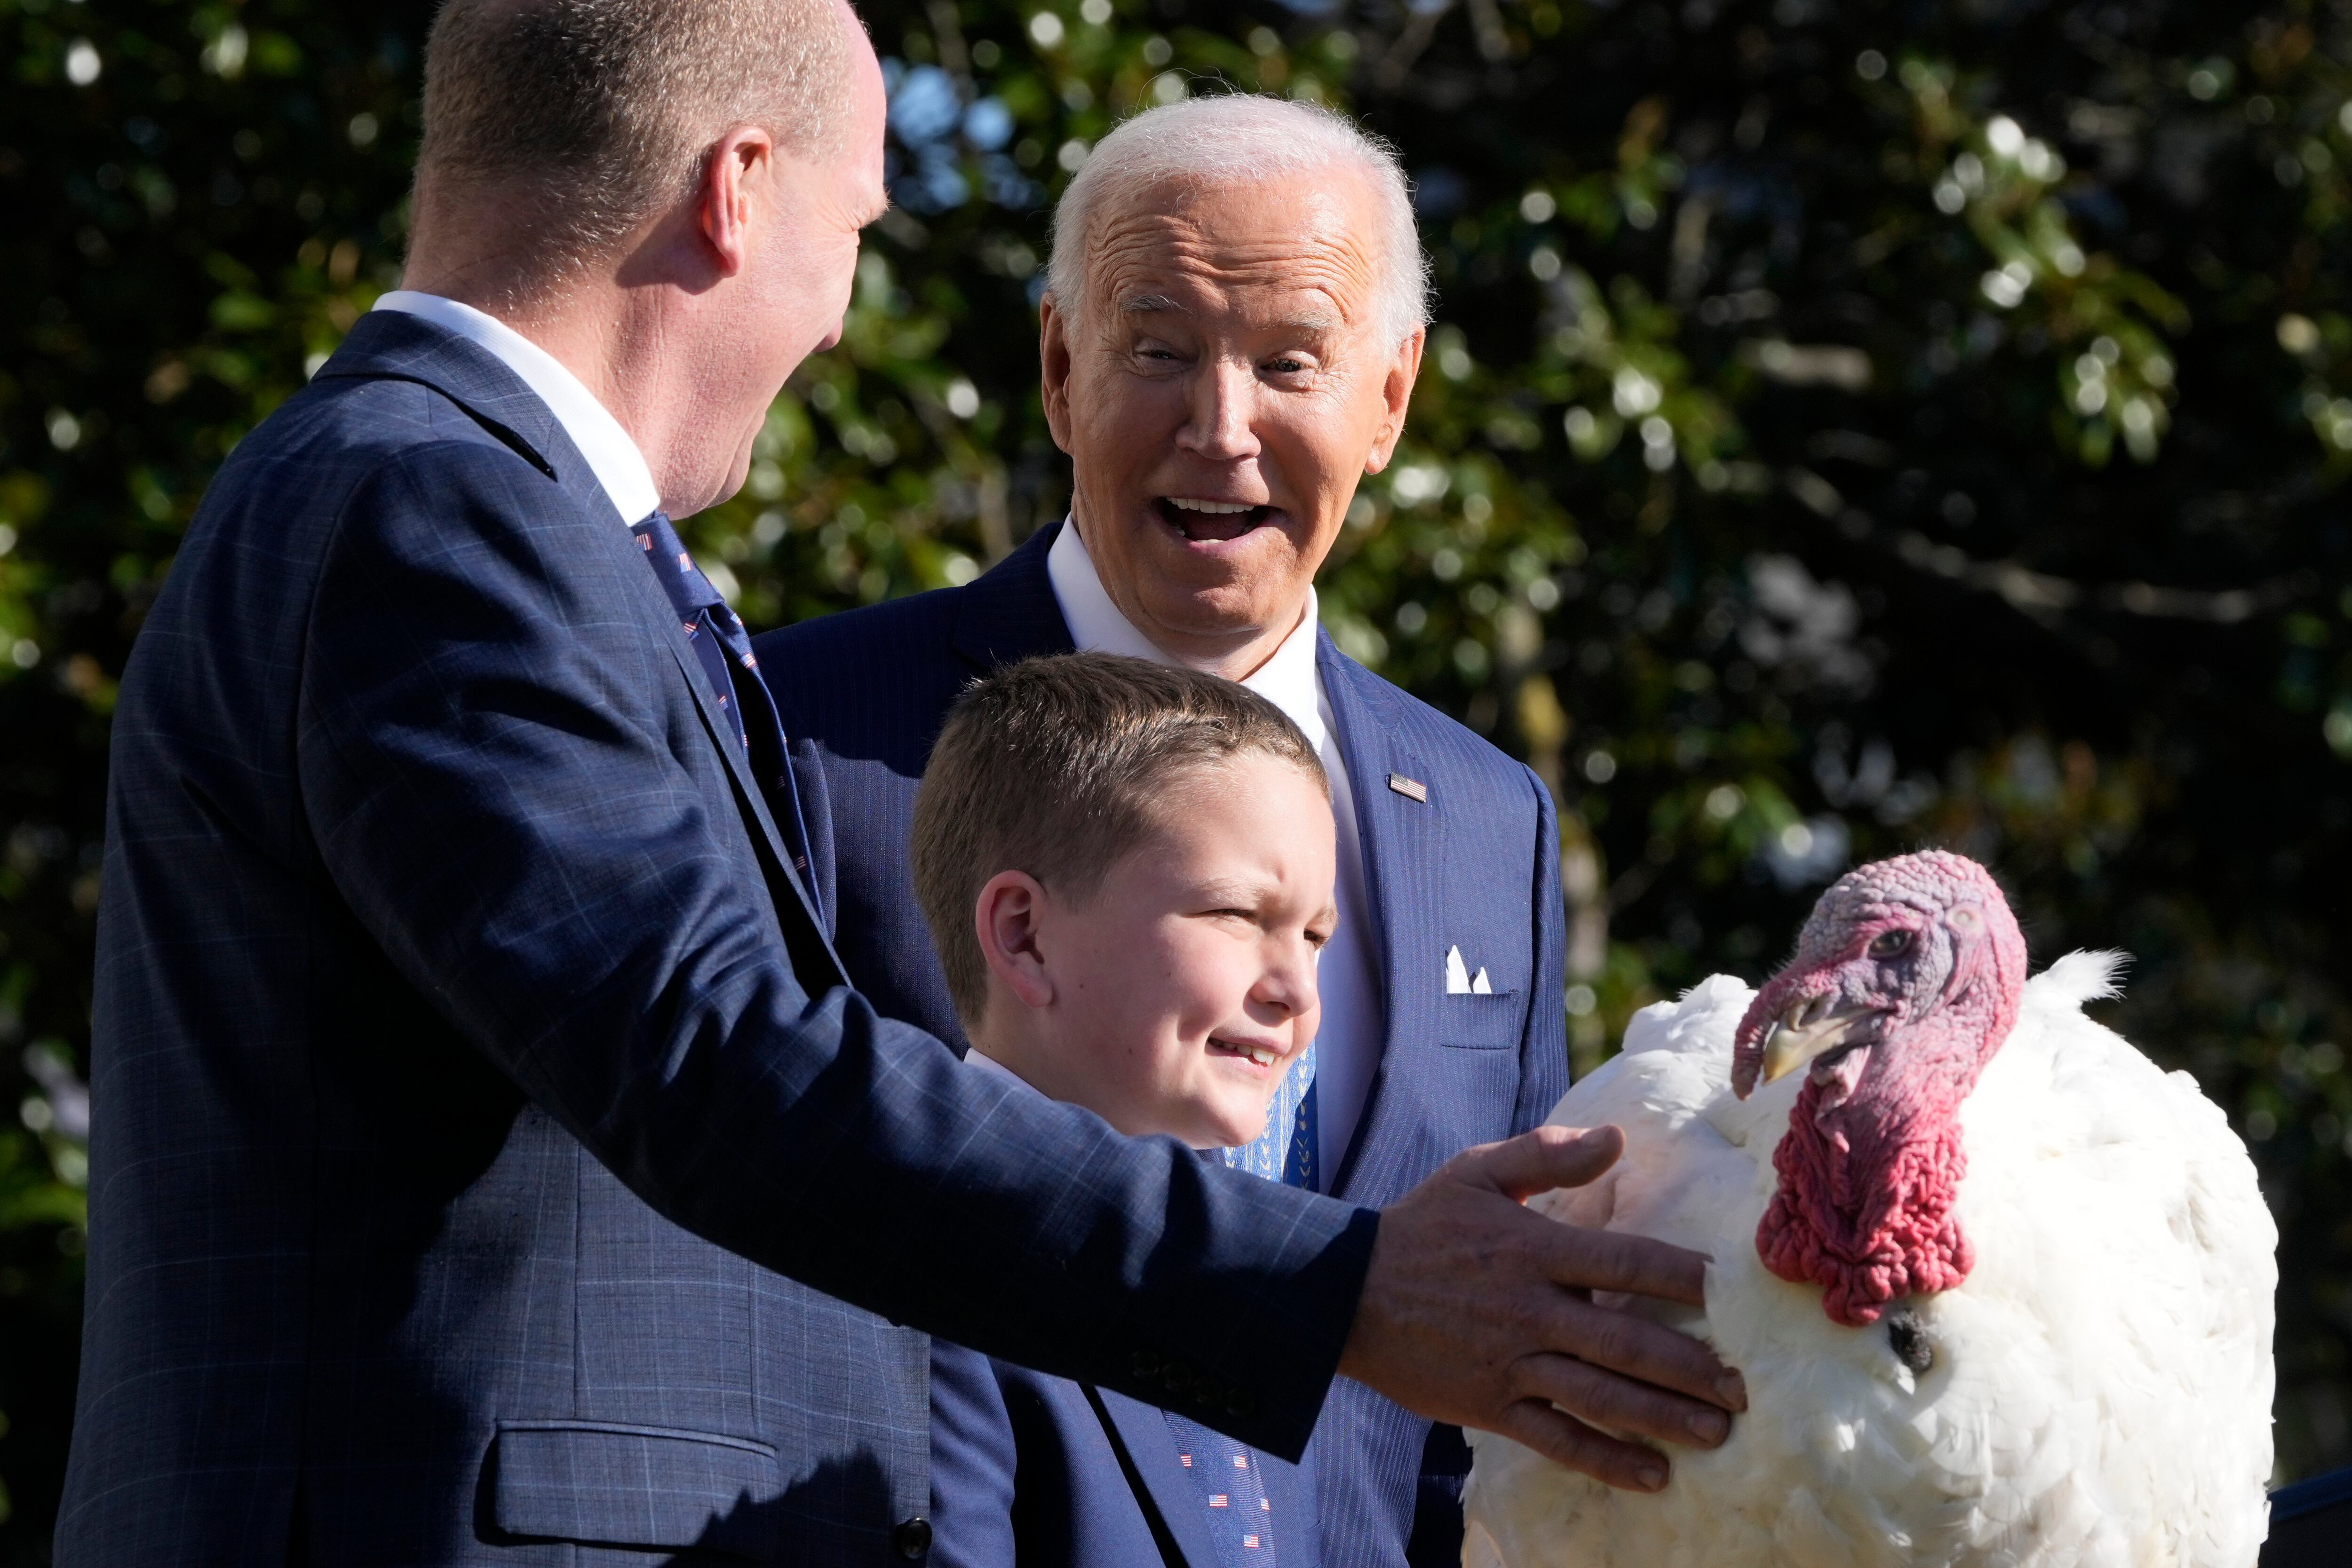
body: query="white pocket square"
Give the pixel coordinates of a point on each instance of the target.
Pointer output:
(1460, 982)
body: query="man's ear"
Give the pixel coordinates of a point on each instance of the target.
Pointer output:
(1054, 362)
(738, 176)
(1396, 396)
(1007, 917)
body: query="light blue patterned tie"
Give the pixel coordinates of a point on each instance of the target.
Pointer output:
(1240, 1518)
(1286, 1151)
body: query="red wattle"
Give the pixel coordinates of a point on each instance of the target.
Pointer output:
(1871, 1165)
(1868, 1227)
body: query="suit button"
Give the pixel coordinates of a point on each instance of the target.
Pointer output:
(912, 1538)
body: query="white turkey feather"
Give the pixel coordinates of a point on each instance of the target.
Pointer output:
(2101, 1389)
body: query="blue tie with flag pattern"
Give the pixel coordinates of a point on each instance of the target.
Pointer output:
(1240, 1517)
(723, 648)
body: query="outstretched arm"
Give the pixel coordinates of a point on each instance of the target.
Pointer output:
(1479, 1311)
(503, 795)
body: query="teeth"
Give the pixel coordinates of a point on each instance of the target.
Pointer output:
(1215, 509)
(1260, 1055)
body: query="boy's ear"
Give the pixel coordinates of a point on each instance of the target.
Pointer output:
(1006, 917)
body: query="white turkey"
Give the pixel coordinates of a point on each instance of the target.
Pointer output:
(2000, 1288)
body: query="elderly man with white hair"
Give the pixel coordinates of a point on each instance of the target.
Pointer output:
(1230, 336)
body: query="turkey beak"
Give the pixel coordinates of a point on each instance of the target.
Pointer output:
(1813, 1028)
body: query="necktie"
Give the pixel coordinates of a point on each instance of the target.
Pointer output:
(1241, 1518)
(723, 648)
(1286, 1152)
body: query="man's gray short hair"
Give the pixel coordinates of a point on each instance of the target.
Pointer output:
(592, 115)
(1239, 138)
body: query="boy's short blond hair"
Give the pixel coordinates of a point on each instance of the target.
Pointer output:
(1054, 767)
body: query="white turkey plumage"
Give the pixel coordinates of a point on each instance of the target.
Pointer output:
(2093, 1392)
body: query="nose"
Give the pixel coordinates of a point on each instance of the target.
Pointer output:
(1286, 986)
(831, 339)
(1224, 396)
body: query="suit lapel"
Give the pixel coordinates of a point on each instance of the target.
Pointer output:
(1298, 1528)
(1140, 1432)
(815, 791)
(394, 345)
(813, 954)
(1010, 613)
(1402, 840)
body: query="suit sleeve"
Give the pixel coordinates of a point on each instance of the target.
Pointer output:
(499, 792)
(1543, 1055)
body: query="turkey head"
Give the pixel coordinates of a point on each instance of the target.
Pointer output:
(1906, 979)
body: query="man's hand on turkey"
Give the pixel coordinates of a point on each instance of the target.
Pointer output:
(1478, 1312)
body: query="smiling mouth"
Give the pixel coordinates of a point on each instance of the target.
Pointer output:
(1262, 1055)
(1201, 520)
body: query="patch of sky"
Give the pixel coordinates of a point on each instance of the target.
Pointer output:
(927, 169)
(988, 124)
(924, 105)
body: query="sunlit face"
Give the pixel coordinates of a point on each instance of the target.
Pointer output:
(813, 208)
(1226, 382)
(1183, 987)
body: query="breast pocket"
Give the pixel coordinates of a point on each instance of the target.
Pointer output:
(1473, 1022)
(611, 1484)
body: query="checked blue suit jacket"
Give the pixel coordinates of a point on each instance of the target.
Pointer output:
(473, 1082)
(1476, 865)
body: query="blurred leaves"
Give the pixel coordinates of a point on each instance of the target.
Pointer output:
(1761, 488)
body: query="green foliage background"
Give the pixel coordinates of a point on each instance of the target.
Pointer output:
(1850, 425)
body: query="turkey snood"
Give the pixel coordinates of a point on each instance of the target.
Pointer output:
(1906, 979)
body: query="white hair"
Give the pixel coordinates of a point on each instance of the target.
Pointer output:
(1243, 137)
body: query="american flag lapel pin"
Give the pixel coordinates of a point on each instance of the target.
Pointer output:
(1411, 788)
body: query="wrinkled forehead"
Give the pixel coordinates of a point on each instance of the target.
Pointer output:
(1299, 248)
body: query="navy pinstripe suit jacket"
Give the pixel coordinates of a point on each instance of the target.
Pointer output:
(1475, 865)
(472, 1080)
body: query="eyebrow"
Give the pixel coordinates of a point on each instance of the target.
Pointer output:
(1154, 304)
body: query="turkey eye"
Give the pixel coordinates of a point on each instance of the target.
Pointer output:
(1887, 944)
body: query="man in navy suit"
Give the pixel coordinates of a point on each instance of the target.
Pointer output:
(479, 1105)
(1229, 340)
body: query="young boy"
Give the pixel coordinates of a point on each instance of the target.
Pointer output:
(1127, 871)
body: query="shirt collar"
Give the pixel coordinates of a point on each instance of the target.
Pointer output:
(620, 468)
(981, 1061)
(1287, 679)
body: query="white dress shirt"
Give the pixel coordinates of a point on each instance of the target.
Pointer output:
(611, 456)
(1347, 1044)
(982, 1061)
